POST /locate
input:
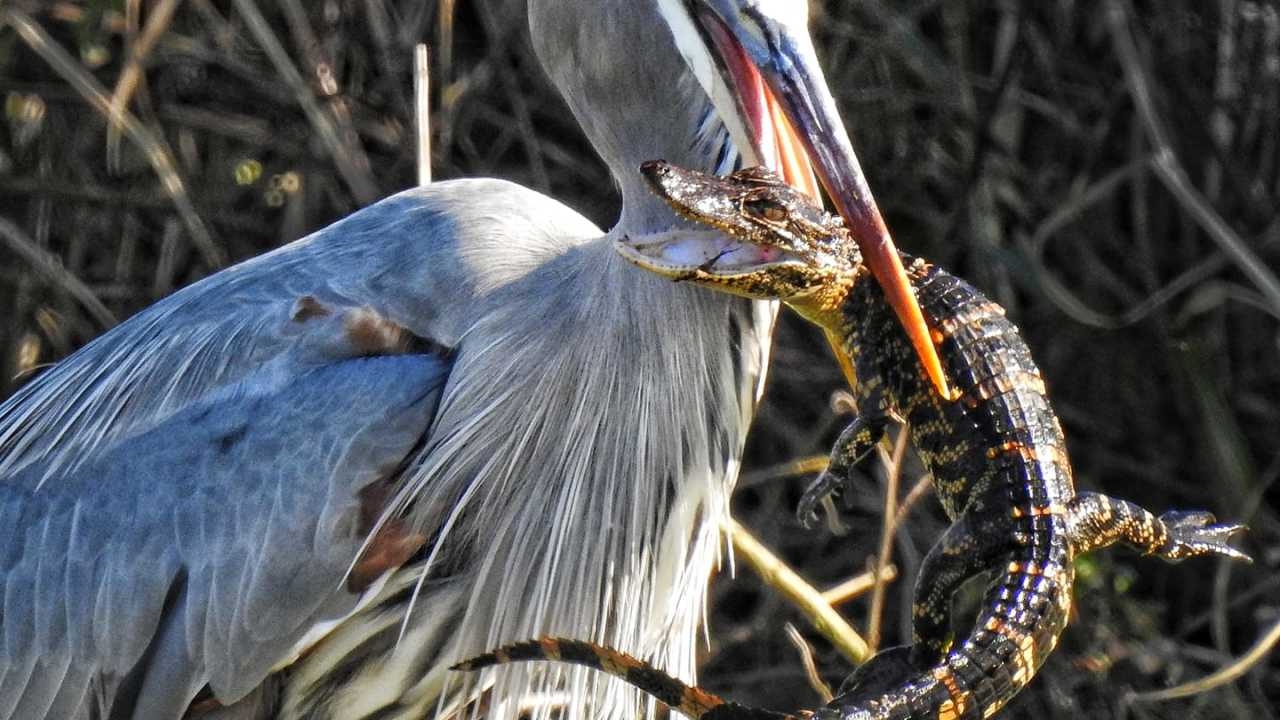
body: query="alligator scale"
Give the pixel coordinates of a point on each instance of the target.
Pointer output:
(995, 450)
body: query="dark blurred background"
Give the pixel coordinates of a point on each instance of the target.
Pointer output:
(1108, 171)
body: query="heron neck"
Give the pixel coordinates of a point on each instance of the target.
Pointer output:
(618, 68)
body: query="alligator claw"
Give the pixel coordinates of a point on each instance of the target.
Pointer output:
(1198, 533)
(807, 511)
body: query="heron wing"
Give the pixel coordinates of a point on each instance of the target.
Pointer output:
(427, 259)
(265, 320)
(176, 353)
(202, 550)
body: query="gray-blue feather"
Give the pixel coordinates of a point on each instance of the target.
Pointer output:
(400, 257)
(229, 524)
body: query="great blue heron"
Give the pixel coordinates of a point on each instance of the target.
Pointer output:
(304, 486)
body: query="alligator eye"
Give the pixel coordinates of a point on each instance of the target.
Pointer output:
(766, 209)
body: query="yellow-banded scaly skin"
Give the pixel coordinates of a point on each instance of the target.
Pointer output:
(1000, 469)
(687, 699)
(995, 448)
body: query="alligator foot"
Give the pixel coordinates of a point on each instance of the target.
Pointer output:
(1193, 533)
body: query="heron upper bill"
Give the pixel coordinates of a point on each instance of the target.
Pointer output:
(796, 129)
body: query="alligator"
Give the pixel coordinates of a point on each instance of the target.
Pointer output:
(994, 447)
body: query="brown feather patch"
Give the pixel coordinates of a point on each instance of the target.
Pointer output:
(373, 334)
(307, 308)
(388, 549)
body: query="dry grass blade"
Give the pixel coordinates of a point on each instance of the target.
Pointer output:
(422, 108)
(447, 9)
(131, 76)
(1169, 169)
(807, 599)
(1225, 675)
(810, 667)
(51, 267)
(1066, 300)
(96, 95)
(349, 158)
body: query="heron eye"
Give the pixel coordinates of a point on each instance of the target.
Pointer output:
(766, 209)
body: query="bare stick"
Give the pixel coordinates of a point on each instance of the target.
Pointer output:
(96, 95)
(447, 11)
(922, 487)
(860, 585)
(806, 598)
(886, 536)
(1227, 674)
(422, 108)
(48, 265)
(351, 163)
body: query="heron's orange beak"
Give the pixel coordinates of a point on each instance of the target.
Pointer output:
(797, 131)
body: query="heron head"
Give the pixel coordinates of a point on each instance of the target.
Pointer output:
(726, 45)
(756, 61)
(774, 241)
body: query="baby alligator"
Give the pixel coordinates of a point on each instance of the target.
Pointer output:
(995, 450)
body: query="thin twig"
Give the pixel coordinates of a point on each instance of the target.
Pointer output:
(422, 110)
(886, 535)
(131, 76)
(1066, 300)
(922, 487)
(1075, 307)
(800, 466)
(96, 95)
(859, 585)
(48, 265)
(1228, 673)
(323, 70)
(806, 598)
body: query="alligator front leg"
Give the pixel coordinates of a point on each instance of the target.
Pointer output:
(1097, 521)
(854, 444)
